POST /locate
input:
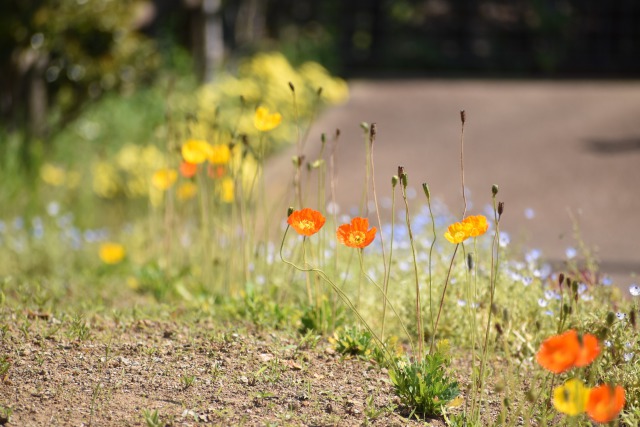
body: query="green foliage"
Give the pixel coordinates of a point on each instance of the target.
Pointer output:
(353, 341)
(5, 364)
(152, 418)
(424, 387)
(323, 317)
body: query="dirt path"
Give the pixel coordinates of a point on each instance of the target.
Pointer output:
(556, 149)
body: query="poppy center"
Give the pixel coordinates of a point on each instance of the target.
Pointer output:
(306, 224)
(357, 237)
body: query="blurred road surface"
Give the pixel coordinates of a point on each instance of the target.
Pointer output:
(556, 150)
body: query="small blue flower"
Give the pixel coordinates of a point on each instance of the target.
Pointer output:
(634, 290)
(542, 302)
(620, 315)
(607, 281)
(529, 213)
(571, 253)
(628, 357)
(504, 239)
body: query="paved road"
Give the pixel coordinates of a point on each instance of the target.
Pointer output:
(554, 148)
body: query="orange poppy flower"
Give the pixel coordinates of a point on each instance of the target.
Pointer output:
(562, 352)
(188, 170)
(589, 350)
(559, 353)
(306, 221)
(356, 235)
(605, 403)
(458, 232)
(479, 225)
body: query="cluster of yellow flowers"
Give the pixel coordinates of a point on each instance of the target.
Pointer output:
(57, 176)
(259, 78)
(128, 175)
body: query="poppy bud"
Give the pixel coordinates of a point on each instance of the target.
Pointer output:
(394, 181)
(500, 208)
(425, 188)
(507, 403)
(323, 138)
(319, 91)
(611, 317)
(403, 180)
(292, 87)
(560, 279)
(469, 261)
(290, 211)
(494, 189)
(632, 318)
(498, 329)
(463, 116)
(364, 126)
(337, 133)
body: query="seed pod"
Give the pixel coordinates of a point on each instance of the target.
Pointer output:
(494, 189)
(425, 188)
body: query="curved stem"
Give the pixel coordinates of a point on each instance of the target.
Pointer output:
(370, 279)
(444, 291)
(342, 296)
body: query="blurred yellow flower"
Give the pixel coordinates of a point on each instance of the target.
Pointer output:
(111, 253)
(163, 179)
(106, 181)
(53, 175)
(263, 121)
(220, 154)
(186, 191)
(571, 397)
(196, 151)
(227, 190)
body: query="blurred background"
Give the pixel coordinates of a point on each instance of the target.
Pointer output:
(86, 83)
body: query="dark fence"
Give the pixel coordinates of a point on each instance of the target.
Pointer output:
(512, 37)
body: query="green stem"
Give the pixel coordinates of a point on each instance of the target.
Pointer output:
(444, 291)
(342, 296)
(415, 270)
(370, 279)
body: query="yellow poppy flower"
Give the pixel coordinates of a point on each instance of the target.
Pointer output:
(196, 151)
(220, 154)
(227, 193)
(111, 253)
(53, 175)
(186, 191)
(264, 121)
(571, 397)
(163, 179)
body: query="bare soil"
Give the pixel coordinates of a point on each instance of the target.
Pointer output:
(191, 374)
